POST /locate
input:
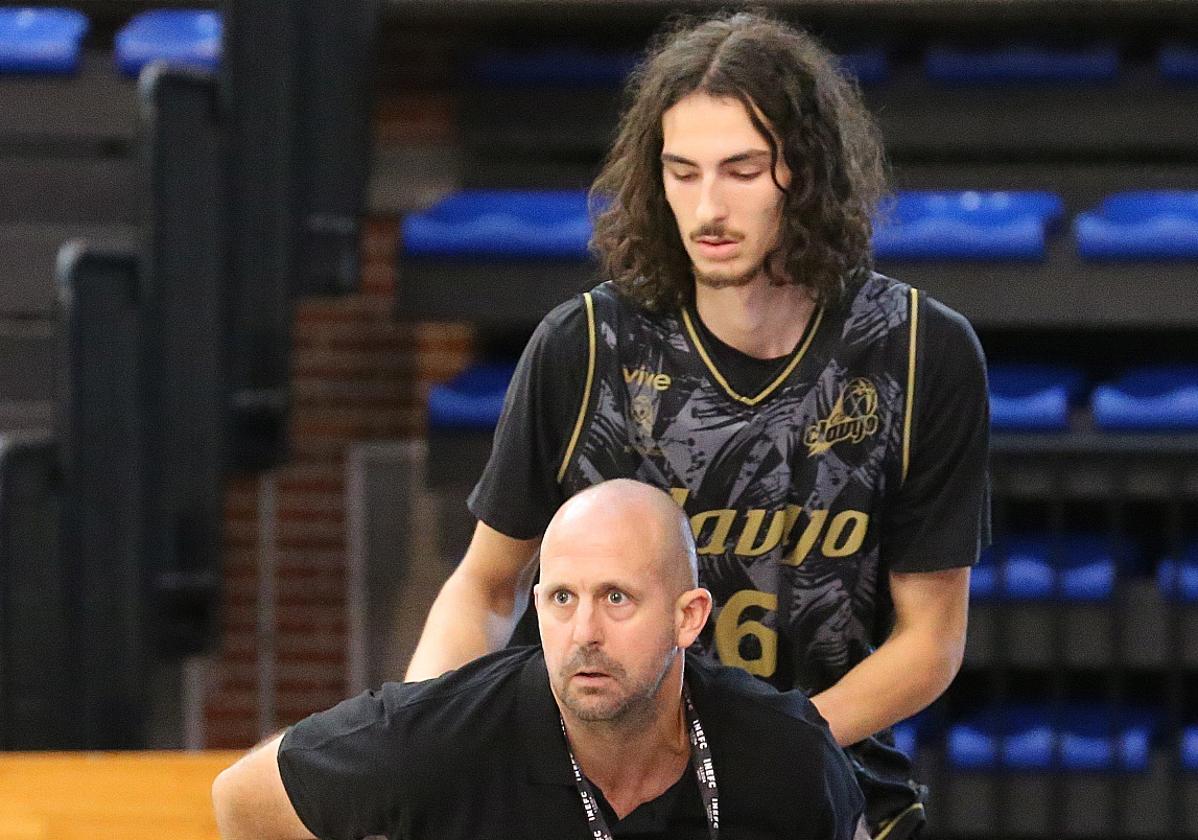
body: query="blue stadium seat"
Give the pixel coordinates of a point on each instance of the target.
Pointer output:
(1158, 225)
(1022, 64)
(983, 581)
(180, 36)
(563, 66)
(869, 65)
(906, 738)
(910, 732)
(41, 41)
(1089, 742)
(471, 400)
(1189, 748)
(1022, 737)
(966, 225)
(1033, 397)
(1036, 567)
(514, 225)
(1159, 398)
(1018, 737)
(1178, 62)
(1177, 577)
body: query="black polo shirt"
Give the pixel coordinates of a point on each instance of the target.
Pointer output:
(478, 754)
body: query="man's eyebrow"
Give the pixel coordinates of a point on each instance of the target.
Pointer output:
(751, 155)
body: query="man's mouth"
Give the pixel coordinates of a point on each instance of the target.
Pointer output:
(716, 247)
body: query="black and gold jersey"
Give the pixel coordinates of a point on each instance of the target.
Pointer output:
(806, 479)
(782, 485)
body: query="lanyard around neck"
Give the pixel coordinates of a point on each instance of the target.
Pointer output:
(700, 762)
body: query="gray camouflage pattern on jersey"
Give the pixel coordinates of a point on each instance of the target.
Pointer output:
(827, 440)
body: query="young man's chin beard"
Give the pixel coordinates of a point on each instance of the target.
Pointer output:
(726, 280)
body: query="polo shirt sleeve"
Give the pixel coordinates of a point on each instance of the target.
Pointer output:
(344, 768)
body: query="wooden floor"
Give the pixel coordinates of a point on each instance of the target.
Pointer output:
(131, 796)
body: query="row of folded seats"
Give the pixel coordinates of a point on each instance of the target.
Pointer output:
(48, 41)
(1076, 567)
(914, 225)
(1018, 63)
(1072, 737)
(1042, 398)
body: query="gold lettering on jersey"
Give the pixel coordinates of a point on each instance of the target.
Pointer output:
(714, 529)
(856, 523)
(853, 418)
(644, 376)
(747, 545)
(730, 631)
(718, 541)
(809, 536)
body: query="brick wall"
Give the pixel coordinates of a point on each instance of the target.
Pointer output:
(357, 375)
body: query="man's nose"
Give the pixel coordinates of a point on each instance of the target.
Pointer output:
(587, 624)
(711, 203)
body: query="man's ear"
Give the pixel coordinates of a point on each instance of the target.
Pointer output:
(691, 612)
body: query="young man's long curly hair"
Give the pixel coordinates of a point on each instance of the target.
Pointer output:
(827, 139)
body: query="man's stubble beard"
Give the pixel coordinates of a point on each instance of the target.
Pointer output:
(634, 708)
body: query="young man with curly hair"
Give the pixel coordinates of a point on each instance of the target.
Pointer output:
(824, 427)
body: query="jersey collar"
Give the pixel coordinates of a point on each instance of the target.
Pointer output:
(796, 356)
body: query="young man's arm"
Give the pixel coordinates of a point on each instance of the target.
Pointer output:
(915, 664)
(478, 606)
(515, 498)
(251, 802)
(933, 531)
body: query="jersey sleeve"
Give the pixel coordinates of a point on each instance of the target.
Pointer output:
(940, 517)
(519, 492)
(343, 768)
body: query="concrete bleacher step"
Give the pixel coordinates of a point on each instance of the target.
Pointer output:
(69, 189)
(26, 414)
(96, 106)
(28, 360)
(1133, 629)
(27, 287)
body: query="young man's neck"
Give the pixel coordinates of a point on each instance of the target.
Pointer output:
(635, 761)
(758, 319)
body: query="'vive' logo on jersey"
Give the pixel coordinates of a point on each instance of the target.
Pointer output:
(644, 376)
(854, 417)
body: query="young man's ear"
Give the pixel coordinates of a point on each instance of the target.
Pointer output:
(692, 609)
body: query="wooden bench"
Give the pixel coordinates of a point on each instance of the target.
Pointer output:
(87, 796)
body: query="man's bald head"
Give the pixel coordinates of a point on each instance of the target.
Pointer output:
(643, 517)
(617, 604)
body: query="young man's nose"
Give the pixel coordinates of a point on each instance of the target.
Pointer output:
(711, 207)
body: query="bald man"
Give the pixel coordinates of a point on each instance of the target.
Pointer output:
(609, 731)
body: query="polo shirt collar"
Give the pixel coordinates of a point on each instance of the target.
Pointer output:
(545, 755)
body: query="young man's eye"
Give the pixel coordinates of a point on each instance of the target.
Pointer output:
(746, 175)
(683, 176)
